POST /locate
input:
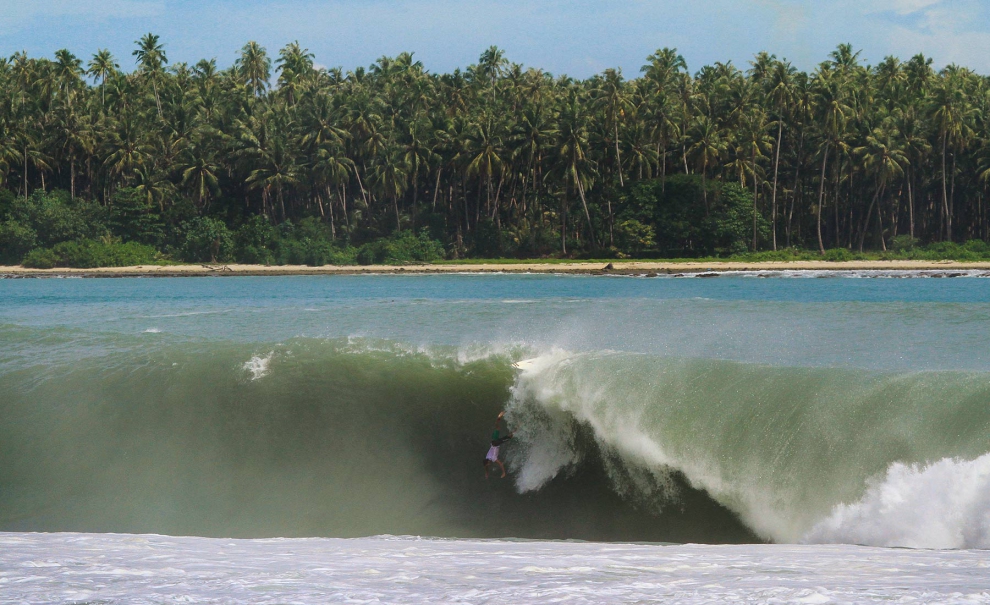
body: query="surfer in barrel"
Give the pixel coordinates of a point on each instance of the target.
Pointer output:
(497, 441)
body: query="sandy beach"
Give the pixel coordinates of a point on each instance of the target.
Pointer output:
(577, 267)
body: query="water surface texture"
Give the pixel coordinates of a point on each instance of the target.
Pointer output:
(729, 409)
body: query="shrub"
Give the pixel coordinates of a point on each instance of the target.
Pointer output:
(633, 236)
(132, 218)
(16, 240)
(55, 218)
(90, 254)
(486, 239)
(837, 255)
(40, 258)
(253, 242)
(319, 253)
(206, 239)
(402, 248)
(903, 243)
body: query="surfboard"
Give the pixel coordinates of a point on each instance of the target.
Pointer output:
(525, 364)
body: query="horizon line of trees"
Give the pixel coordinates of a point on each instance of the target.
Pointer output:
(499, 159)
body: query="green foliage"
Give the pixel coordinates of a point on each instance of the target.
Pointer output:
(493, 161)
(838, 255)
(16, 240)
(133, 219)
(903, 243)
(685, 224)
(55, 218)
(405, 247)
(6, 203)
(207, 240)
(40, 258)
(253, 242)
(310, 242)
(89, 254)
(486, 239)
(633, 236)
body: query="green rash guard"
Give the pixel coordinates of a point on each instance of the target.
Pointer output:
(495, 435)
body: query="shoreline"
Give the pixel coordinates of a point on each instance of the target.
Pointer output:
(654, 268)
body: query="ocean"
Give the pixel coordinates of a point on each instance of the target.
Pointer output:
(780, 414)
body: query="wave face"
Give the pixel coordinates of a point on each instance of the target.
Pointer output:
(351, 437)
(799, 454)
(308, 438)
(732, 409)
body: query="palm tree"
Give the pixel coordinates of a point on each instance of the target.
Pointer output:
(781, 96)
(613, 102)
(74, 137)
(885, 160)
(707, 149)
(151, 59)
(101, 67)
(199, 174)
(68, 70)
(572, 158)
(390, 178)
(832, 113)
(491, 64)
(295, 65)
(950, 112)
(914, 143)
(254, 67)
(485, 149)
(753, 142)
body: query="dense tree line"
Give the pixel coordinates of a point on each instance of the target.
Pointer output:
(275, 157)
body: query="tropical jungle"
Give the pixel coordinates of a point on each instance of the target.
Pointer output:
(111, 161)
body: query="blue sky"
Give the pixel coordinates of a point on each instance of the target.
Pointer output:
(577, 37)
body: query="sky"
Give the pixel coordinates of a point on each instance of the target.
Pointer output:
(575, 37)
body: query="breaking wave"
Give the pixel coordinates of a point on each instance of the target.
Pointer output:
(350, 437)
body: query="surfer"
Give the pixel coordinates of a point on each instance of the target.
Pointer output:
(497, 441)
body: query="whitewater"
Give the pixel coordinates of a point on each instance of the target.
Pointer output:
(807, 431)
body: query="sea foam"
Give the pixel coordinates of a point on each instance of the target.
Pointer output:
(942, 505)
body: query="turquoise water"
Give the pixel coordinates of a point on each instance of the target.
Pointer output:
(874, 323)
(717, 410)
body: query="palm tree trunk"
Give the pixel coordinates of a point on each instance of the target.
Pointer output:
(910, 200)
(343, 203)
(821, 199)
(773, 197)
(952, 197)
(436, 190)
(754, 199)
(584, 203)
(563, 224)
(866, 219)
(364, 195)
(395, 204)
(883, 245)
(945, 190)
(618, 160)
(797, 183)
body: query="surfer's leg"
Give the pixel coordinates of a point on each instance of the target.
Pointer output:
(501, 466)
(486, 467)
